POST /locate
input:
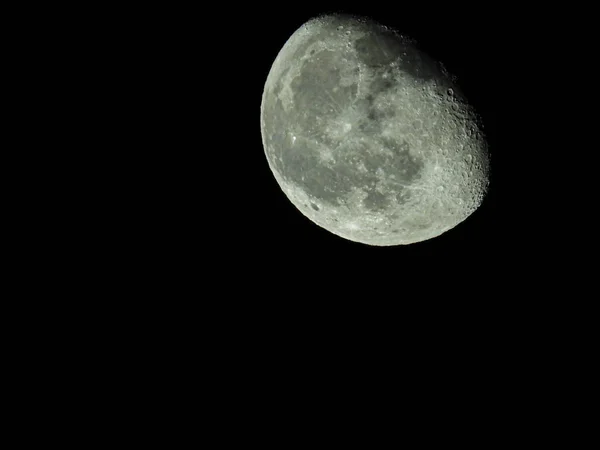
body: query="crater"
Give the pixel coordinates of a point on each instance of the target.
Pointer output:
(315, 207)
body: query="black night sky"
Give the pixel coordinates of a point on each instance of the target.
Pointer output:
(208, 252)
(220, 197)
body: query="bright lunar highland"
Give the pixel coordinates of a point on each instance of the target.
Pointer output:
(368, 136)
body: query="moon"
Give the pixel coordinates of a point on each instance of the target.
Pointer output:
(369, 137)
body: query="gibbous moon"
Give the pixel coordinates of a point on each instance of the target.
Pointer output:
(368, 136)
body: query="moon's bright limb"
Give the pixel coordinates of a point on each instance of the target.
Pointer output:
(369, 137)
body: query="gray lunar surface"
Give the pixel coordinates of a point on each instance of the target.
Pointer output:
(369, 137)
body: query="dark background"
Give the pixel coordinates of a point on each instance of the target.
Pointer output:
(257, 229)
(185, 259)
(194, 254)
(210, 205)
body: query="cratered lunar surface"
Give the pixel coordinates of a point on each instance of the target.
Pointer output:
(368, 136)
